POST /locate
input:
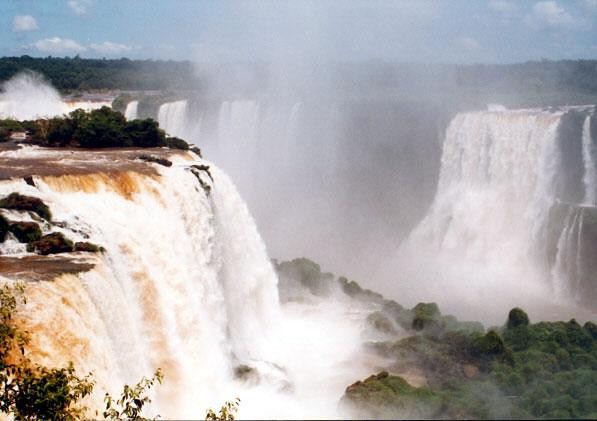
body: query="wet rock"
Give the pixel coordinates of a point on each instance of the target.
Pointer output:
(161, 161)
(203, 168)
(3, 228)
(196, 171)
(25, 232)
(29, 180)
(19, 202)
(246, 373)
(88, 247)
(52, 243)
(196, 150)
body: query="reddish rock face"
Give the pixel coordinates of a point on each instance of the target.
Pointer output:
(41, 268)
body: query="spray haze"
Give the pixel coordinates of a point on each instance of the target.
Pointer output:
(353, 144)
(339, 155)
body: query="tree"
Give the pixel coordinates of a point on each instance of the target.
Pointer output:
(32, 392)
(227, 412)
(133, 399)
(29, 391)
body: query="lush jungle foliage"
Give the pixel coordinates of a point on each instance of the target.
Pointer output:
(522, 370)
(101, 128)
(441, 367)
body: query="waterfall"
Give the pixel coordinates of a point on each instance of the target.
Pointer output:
(131, 110)
(185, 285)
(566, 266)
(496, 183)
(589, 157)
(27, 96)
(482, 237)
(307, 162)
(500, 218)
(171, 117)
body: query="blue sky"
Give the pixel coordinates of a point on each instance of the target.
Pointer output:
(462, 31)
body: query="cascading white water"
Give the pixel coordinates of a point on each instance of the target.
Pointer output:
(496, 186)
(27, 96)
(175, 282)
(589, 159)
(171, 117)
(186, 285)
(496, 183)
(565, 270)
(130, 113)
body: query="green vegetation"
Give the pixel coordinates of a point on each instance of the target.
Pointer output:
(83, 74)
(29, 391)
(380, 395)
(132, 400)
(533, 83)
(227, 412)
(102, 128)
(523, 370)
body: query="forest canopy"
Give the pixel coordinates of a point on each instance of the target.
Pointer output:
(538, 82)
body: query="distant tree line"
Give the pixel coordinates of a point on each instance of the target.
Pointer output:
(533, 83)
(84, 74)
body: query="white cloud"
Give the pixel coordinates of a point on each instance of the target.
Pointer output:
(59, 45)
(79, 7)
(550, 14)
(502, 6)
(109, 48)
(24, 23)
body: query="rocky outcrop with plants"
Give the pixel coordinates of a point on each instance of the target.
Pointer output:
(37, 234)
(440, 367)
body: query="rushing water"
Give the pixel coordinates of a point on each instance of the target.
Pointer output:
(130, 113)
(485, 238)
(185, 285)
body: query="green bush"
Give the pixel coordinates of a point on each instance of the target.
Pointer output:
(176, 143)
(425, 315)
(517, 317)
